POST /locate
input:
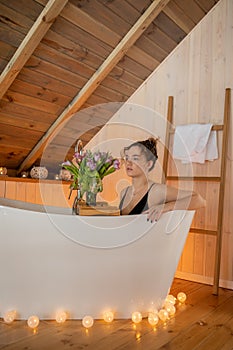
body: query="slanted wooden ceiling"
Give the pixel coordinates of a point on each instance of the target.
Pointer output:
(58, 57)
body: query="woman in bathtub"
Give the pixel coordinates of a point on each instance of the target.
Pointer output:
(144, 195)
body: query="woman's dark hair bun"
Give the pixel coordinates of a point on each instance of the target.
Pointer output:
(151, 145)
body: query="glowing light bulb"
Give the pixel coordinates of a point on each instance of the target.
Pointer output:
(136, 317)
(9, 316)
(108, 316)
(33, 321)
(61, 317)
(171, 299)
(153, 319)
(87, 321)
(171, 309)
(181, 297)
(163, 315)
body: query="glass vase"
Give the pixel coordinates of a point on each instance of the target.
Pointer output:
(75, 206)
(91, 198)
(77, 200)
(94, 186)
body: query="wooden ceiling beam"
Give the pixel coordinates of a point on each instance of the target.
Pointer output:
(30, 42)
(129, 39)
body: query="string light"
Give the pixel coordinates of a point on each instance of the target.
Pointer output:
(33, 321)
(171, 299)
(154, 316)
(136, 317)
(163, 315)
(108, 316)
(171, 309)
(153, 319)
(61, 317)
(87, 321)
(181, 297)
(9, 316)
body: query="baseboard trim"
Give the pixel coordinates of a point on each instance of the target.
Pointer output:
(203, 279)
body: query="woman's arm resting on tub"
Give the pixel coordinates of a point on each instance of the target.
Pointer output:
(164, 198)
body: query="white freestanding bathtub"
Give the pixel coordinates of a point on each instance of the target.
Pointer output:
(51, 260)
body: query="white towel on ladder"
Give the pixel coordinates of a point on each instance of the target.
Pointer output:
(195, 143)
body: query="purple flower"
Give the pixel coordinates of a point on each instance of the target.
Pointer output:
(116, 164)
(67, 163)
(78, 156)
(96, 157)
(109, 159)
(91, 165)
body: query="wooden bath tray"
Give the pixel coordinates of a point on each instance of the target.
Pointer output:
(101, 209)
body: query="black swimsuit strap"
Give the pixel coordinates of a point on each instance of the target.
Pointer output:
(141, 206)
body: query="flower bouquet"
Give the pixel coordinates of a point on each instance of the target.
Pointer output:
(88, 169)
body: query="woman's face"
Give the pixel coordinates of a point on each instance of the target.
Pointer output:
(135, 162)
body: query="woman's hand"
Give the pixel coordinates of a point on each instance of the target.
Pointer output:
(154, 212)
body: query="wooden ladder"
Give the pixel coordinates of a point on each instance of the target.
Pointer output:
(221, 179)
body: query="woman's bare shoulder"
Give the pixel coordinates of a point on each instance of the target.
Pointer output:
(123, 192)
(155, 186)
(157, 193)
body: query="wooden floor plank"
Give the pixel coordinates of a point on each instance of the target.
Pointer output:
(208, 332)
(204, 322)
(219, 329)
(228, 345)
(198, 305)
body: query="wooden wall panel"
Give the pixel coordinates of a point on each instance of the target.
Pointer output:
(52, 194)
(204, 89)
(205, 218)
(49, 192)
(196, 74)
(2, 188)
(55, 194)
(210, 242)
(10, 190)
(188, 254)
(31, 192)
(21, 191)
(199, 254)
